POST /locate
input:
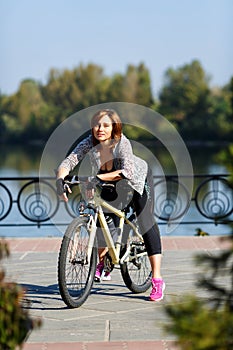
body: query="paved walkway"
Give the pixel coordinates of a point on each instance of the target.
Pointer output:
(112, 317)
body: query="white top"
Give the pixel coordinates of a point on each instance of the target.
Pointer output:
(134, 169)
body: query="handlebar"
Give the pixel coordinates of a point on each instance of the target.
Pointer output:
(89, 181)
(76, 180)
(64, 185)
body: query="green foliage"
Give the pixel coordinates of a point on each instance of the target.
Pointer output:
(200, 324)
(184, 89)
(26, 114)
(225, 157)
(197, 327)
(220, 113)
(4, 250)
(185, 99)
(15, 322)
(212, 320)
(197, 111)
(222, 295)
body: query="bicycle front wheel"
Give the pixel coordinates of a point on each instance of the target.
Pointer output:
(75, 273)
(136, 269)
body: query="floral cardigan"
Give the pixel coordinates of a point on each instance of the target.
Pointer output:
(134, 169)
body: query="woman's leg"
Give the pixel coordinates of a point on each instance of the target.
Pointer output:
(102, 252)
(155, 261)
(151, 236)
(153, 247)
(148, 226)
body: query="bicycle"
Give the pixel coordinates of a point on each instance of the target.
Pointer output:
(78, 252)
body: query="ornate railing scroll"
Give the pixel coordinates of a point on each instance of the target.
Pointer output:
(171, 198)
(30, 201)
(212, 198)
(34, 201)
(37, 201)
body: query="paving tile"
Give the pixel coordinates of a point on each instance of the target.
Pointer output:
(132, 345)
(36, 346)
(44, 244)
(105, 345)
(53, 346)
(64, 346)
(112, 317)
(148, 345)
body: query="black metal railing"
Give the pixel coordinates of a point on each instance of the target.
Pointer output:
(32, 201)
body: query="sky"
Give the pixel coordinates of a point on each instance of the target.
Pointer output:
(36, 36)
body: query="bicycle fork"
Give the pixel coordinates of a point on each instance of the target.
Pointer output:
(92, 230)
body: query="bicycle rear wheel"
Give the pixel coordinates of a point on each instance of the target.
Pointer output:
(136, 270)
(75, 274)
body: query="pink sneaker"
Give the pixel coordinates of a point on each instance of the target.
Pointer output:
(158, 286)
(98, 272)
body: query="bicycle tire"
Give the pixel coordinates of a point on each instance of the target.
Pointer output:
(136, 274)
(75, 275)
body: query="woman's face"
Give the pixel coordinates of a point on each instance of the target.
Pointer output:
(103, 129)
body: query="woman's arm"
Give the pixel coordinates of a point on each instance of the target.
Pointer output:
(126, 156)
(61, 174)
(71, 161)
(112, 176)
(77, 154)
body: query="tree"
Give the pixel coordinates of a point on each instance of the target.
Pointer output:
(133, 87)
(15, 322)
(220, 113)
(206, 325)
(184, 99)
(25, 114)
(231, 95)
(72, 90)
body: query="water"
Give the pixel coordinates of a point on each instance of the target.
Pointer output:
(19, 160)
(25, 161)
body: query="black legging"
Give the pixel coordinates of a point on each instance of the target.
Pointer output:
(147, 224)
(144, 209)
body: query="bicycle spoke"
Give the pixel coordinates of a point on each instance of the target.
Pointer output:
(74, 272)
(136, 269)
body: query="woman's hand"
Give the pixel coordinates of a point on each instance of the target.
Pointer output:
(62, 189)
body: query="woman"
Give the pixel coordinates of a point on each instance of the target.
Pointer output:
(112, 160)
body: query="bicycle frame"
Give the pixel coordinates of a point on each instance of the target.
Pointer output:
(114, 248)
(78, 253)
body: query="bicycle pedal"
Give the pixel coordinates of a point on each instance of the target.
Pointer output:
(108, 265)
(137, 243)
